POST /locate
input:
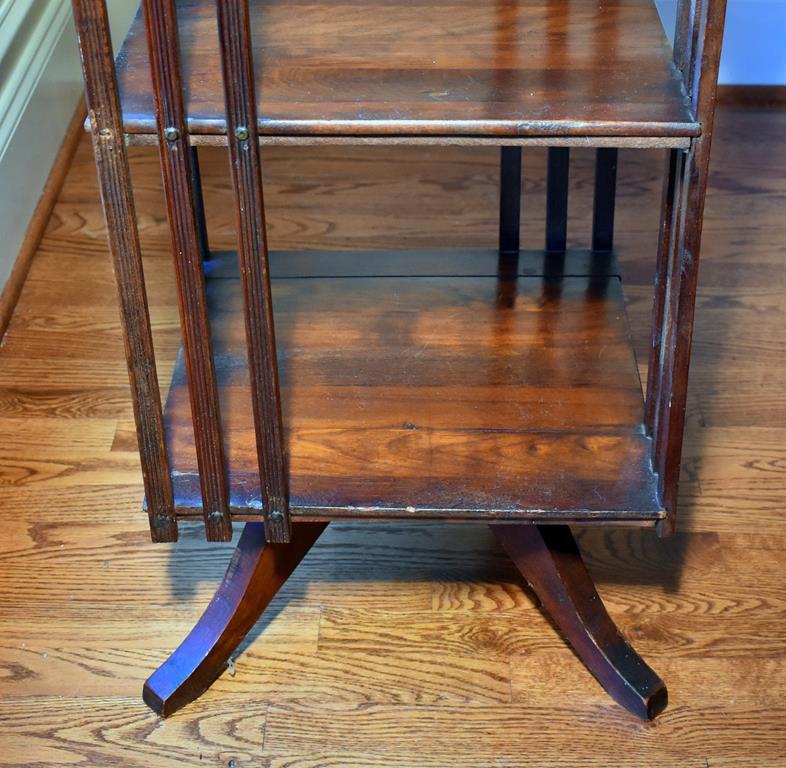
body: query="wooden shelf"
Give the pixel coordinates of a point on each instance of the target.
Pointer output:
(432, 69)
(421, 385)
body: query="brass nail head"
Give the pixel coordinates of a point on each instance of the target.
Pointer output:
(241, 133)
(171, 134)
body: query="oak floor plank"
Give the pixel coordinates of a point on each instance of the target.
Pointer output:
(116, 731)
(533, 735)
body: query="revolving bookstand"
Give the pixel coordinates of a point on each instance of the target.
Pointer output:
(495, 387)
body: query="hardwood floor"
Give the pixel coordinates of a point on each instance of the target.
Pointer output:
(405, 645)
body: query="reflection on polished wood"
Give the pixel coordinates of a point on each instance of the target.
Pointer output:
(255, 574)
(550, 561)
(426, 397)
(447, 68)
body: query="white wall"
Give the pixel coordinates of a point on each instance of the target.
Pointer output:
(754, 44)
(40, 85)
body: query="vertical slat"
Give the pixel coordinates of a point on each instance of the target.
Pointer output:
(605, 199)
(666, 245)
(668, 239)
(509, 200)
(663, 377)
(161, 23)
(557, 199)
(689, 195)
(115, 185)
(234, 31)
(199, 204)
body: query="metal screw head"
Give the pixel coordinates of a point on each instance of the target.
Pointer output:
(275, 515)
(172, 134)
(241, 133)
(105, 133)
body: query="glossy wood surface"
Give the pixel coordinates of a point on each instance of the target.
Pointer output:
(682, 259)
(237, 67)
(117, 198)
(549, 559)
(547, 556)
(419, 645)
(255, 574)
(453, 67)
(441, 396)
(187, 250)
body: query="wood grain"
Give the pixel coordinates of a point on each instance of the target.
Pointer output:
(681, 267)
(111, 161)
(181, 202)
(435, 611)
(429, 397)
(454, 68)
(237, 69)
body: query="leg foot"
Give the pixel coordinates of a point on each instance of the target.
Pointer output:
(255, 574)
(550, 561)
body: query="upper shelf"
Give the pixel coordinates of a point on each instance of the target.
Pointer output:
(431, 68)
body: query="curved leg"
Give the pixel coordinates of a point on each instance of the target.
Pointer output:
(256, 572)
(549, 559)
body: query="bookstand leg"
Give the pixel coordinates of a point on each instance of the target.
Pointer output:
(255, 574)
(550, 561)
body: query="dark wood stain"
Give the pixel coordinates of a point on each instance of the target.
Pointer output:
(92, 26)
(406, 644)
(385, 68)
(549, 559)
(187, 249)
(557, 178)
(421, 397)
(246, 173)
(494, 398)
(255, 574)
(605, 199)
(681, 264)
(510, 201)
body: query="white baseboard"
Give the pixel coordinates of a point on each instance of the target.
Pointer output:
(40, 86)
(754, 44)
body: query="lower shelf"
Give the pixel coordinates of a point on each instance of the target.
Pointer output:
(425, 386)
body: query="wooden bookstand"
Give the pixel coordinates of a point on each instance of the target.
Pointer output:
(496, 386)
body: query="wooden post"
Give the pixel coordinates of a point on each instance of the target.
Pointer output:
(509, 200)
(557, 199)
(699, 35)
(604, 199)
(114, 182)
(668, 228)
(234, 31)
(161, 22)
